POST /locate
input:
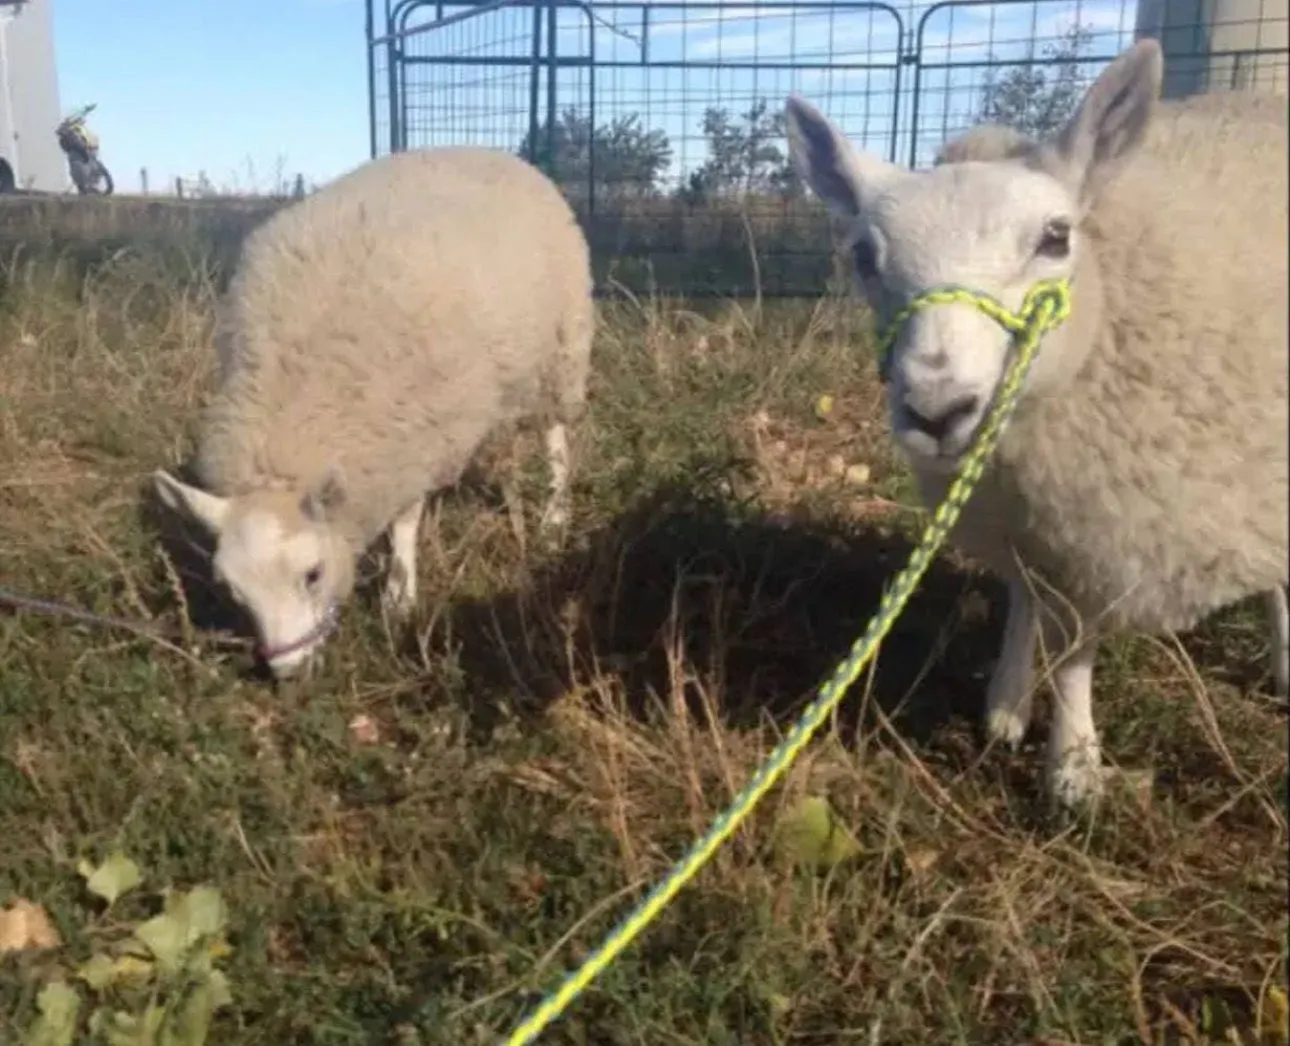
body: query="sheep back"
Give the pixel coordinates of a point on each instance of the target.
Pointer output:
(387, 323)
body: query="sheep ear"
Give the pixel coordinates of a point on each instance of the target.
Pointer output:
(841, 177)
(1111, 122)
(326, 497)
(207, 509)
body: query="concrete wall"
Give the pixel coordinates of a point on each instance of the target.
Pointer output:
(1194, 35)
(29, 103)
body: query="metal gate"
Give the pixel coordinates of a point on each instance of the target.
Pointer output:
(662, 120)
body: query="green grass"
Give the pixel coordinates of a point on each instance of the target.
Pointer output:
(560, 724)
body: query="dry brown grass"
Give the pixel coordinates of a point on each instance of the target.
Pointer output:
(427, 835)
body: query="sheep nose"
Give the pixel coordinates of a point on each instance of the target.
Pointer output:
(938, 425)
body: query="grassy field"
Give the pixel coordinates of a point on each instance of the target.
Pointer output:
(417, 843)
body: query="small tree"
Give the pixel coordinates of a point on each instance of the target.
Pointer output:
(627, 157)
(743, 155)
(1037, 99)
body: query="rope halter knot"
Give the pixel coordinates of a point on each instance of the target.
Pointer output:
(1046, 305)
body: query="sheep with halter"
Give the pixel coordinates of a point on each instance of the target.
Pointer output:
(374, 335)
(1142, 482)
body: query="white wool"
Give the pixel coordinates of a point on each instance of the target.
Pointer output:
(374, 334)
(1144, 476)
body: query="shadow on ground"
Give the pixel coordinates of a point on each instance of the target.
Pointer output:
(757, 608)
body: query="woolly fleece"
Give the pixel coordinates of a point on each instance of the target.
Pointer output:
(1152, 488)
(390, 322)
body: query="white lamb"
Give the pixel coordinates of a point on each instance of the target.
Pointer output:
(1144, 474)
(374, 335)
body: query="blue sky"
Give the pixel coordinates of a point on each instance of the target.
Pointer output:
(217, 85)
(245, 89)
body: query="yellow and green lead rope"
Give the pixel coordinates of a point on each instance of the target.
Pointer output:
(1046, 306)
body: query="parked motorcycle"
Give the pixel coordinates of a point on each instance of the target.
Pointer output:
(81, 147)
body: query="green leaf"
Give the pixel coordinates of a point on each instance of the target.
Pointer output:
(115, 877)
(59, 1007)
(98, 972)
(206, 912)
(125, 1029)
(810, 834)
(193, 1023)
(198, 914)
(220, 990)
(166, 936)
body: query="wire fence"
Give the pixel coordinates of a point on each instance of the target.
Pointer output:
(662, 120)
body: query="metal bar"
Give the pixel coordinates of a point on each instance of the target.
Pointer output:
(370, 27)
(584, 61)
(535, 81)
(439, 23)
(1012, 63)
(552, 78)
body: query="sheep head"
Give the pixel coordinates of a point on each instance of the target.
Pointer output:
(996, 217)
(281, 558)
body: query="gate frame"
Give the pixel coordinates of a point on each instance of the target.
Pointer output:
(398, 61)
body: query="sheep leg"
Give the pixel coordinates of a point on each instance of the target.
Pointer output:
(1010, 694)
(399, 596)
(1279, 622)
(556, 514)
(571, 364)
(1074, 758)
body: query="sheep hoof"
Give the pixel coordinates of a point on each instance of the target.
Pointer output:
(1078, 782)
(398, 598)
(554, 521)
(1005, 726)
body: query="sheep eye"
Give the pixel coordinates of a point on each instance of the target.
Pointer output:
(1056, 240)
(313, 575)
(866, 259)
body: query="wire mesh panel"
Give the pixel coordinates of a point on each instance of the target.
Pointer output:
(467, 73)
(1027, 63)
(662, 120)
(668, 132)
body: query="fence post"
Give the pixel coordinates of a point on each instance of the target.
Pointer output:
(552, 9)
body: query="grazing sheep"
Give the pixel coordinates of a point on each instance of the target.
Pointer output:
(987, 141)
(1144, 474)
(374, 335)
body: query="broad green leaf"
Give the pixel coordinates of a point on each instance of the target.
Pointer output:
(98, 971)
(206, 912)
(198, 914)
(219, 987)
(193, 1022)
(125, 1029)
(59, 1007)
(110, 1025)
(115, 877)
(810, 834)
(166, 936)
(132, 968)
